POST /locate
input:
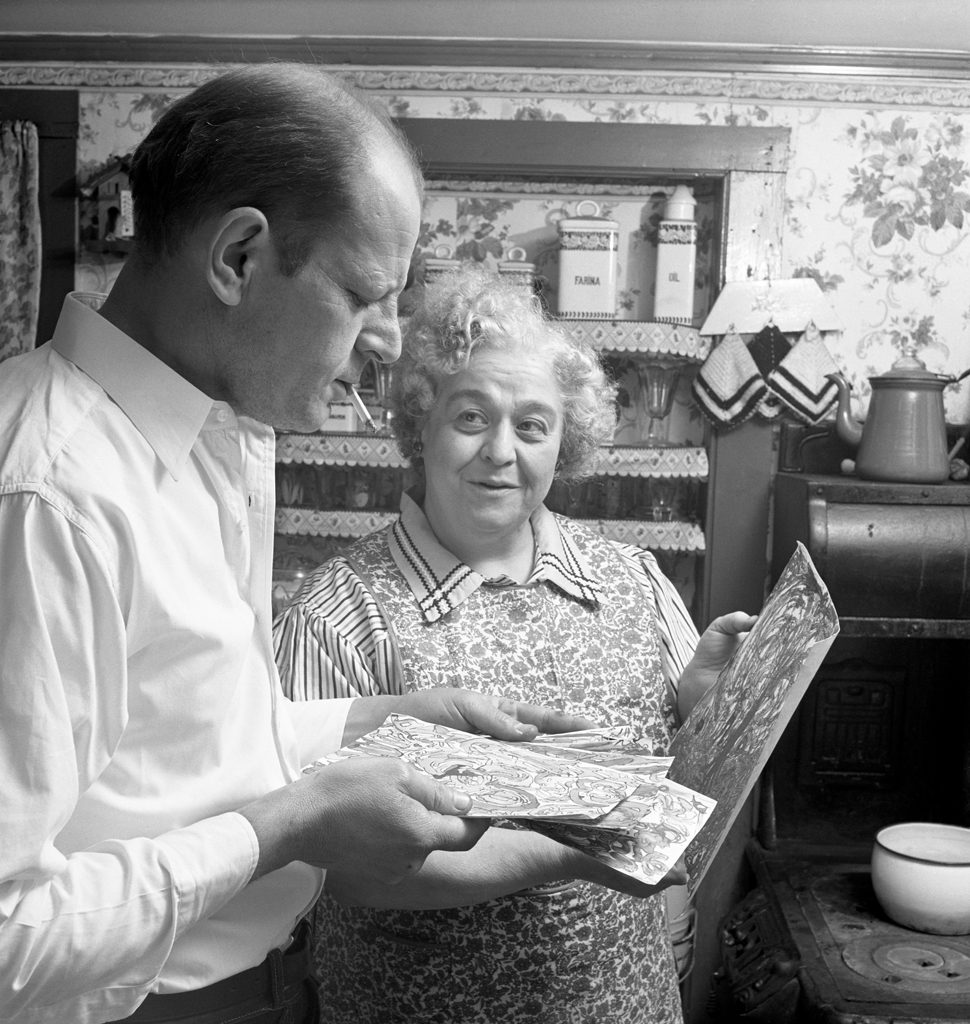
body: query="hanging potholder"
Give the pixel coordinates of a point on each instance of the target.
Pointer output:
(728, 386)
(800, 381)
(768, 348)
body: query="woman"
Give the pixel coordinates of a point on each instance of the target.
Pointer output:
(478, 584)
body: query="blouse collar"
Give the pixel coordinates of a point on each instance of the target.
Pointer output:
(440, 581)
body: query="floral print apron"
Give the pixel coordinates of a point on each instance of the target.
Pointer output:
(573, 953)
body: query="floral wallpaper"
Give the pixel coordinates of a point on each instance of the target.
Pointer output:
(877, 208)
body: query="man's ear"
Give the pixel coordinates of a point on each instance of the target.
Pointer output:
(240, 244)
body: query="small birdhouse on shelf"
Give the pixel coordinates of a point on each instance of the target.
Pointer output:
(107, 216)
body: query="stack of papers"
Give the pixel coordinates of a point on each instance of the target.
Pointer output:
(613, 803)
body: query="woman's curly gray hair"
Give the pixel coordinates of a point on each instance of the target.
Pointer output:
(473, 308)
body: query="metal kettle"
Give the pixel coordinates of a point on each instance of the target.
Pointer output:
(904, 435)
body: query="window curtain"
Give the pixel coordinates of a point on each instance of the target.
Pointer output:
(20, 241)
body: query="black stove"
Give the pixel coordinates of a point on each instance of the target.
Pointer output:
(810, 944)
(882, 736)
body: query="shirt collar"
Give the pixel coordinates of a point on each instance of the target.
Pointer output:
(167, 410)
(440, 582)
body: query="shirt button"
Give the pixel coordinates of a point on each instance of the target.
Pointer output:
(222, 415)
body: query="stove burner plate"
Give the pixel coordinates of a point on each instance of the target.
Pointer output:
(921, 964)
(859, 962)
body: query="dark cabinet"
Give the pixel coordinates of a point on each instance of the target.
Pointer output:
(895, 557)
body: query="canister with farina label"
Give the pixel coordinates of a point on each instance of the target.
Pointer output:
(588, 245)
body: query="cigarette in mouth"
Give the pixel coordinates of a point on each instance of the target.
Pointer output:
(358, 403)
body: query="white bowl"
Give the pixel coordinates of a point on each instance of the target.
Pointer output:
(921, 876)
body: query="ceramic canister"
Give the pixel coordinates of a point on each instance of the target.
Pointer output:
(517, 271)
(676, 254)
(441, 263)
(588, 247)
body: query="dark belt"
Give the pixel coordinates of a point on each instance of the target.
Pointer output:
(267, 986)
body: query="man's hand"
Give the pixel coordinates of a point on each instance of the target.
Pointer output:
(376, 817)
(714, 649)
(467, 710)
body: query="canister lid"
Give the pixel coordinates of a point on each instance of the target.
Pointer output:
(680, 204)
(443, 258)
(515, 259)
(587, 219)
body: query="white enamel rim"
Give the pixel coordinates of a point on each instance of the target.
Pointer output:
(957, 831)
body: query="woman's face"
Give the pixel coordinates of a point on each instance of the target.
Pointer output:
(491, 443)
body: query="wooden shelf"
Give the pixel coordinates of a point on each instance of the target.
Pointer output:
(671, 536)
(647, 337)
(339, 450)
(311, 522)
(643, 461)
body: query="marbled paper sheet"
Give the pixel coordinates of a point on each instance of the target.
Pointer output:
(606, 737)
(722, 747)
(621, 759)
(645, 835)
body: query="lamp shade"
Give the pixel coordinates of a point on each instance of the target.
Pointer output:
(745, 307)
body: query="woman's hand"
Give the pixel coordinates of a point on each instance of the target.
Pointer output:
(467, 710)
(504, 861)
(595, 871)
(714, 649)
(472, 711)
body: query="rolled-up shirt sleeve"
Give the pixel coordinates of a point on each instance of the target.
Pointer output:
(83, 932)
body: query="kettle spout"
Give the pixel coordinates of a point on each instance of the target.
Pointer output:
(848, 429)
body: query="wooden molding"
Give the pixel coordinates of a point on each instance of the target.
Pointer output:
(450, 147)
(480, 53)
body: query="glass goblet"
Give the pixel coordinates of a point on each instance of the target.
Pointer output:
(657, 385)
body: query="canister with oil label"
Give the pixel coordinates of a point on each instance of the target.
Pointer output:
(676, 254)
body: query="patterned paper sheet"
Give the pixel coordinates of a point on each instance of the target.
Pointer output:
(645, 836)
(620, 760)
(659, 801)
(730, 733)
(607, 737)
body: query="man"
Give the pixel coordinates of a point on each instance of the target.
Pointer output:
(158, 843)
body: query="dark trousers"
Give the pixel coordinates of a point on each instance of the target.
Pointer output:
(280, 990)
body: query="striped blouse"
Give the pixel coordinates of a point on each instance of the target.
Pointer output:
(333, 639)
